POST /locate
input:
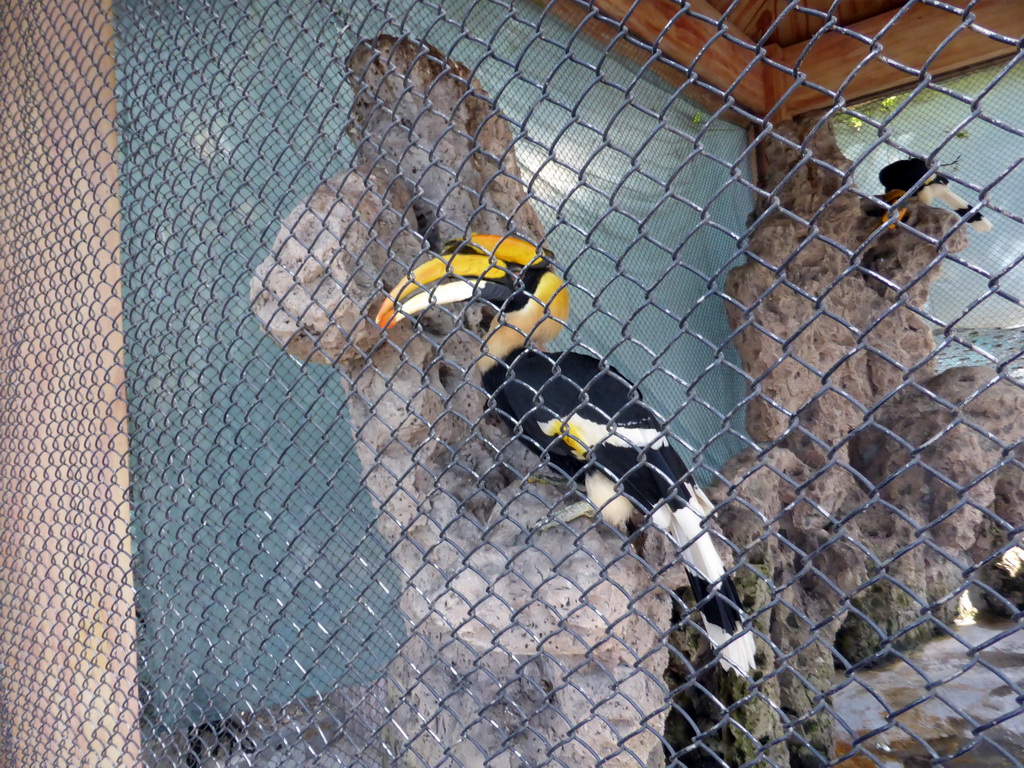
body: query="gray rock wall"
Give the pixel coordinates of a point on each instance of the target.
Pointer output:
(520, 647)
(883, 489)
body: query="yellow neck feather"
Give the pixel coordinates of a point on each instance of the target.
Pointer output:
(537, 323)
(508, 333)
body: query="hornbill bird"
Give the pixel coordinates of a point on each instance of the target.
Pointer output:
(904, 175)
(577, 413)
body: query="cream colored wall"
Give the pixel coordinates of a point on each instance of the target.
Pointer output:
(67, 626)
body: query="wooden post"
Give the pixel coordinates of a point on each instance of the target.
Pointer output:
(67, 623)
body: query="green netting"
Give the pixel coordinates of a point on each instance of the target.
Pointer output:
(261, 578)
(260, 575)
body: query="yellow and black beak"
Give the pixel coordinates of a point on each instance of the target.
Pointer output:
(447, 280)
(488, 268)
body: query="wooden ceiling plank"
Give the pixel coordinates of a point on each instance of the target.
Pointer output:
(754, 17)
(799, 25)
(683, 37)
(917, 34)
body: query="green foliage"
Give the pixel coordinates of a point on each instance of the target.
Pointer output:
(877, 111)
(850, 121)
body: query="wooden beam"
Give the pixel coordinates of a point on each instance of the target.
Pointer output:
(691, 36)
(752, 17)
(913, 38)
(691, 41)
(756, 17)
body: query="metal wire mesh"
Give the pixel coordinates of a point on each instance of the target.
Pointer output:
(338, 546)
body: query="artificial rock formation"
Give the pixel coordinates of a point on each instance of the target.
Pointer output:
(521, 647)
(875, 498)
(885, 487)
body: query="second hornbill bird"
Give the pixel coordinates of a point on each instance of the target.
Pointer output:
(577, 412)
(900, 177)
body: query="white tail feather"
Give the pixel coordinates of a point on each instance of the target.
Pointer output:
(698, 548)
(932, 192)
(736, 651)
(684, 527)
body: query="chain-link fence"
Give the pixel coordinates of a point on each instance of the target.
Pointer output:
(257, 513)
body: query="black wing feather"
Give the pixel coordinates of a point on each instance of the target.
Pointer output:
(534, 387)
(537, 387)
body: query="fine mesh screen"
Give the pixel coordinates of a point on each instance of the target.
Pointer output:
(195, 228)
(256, 558)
